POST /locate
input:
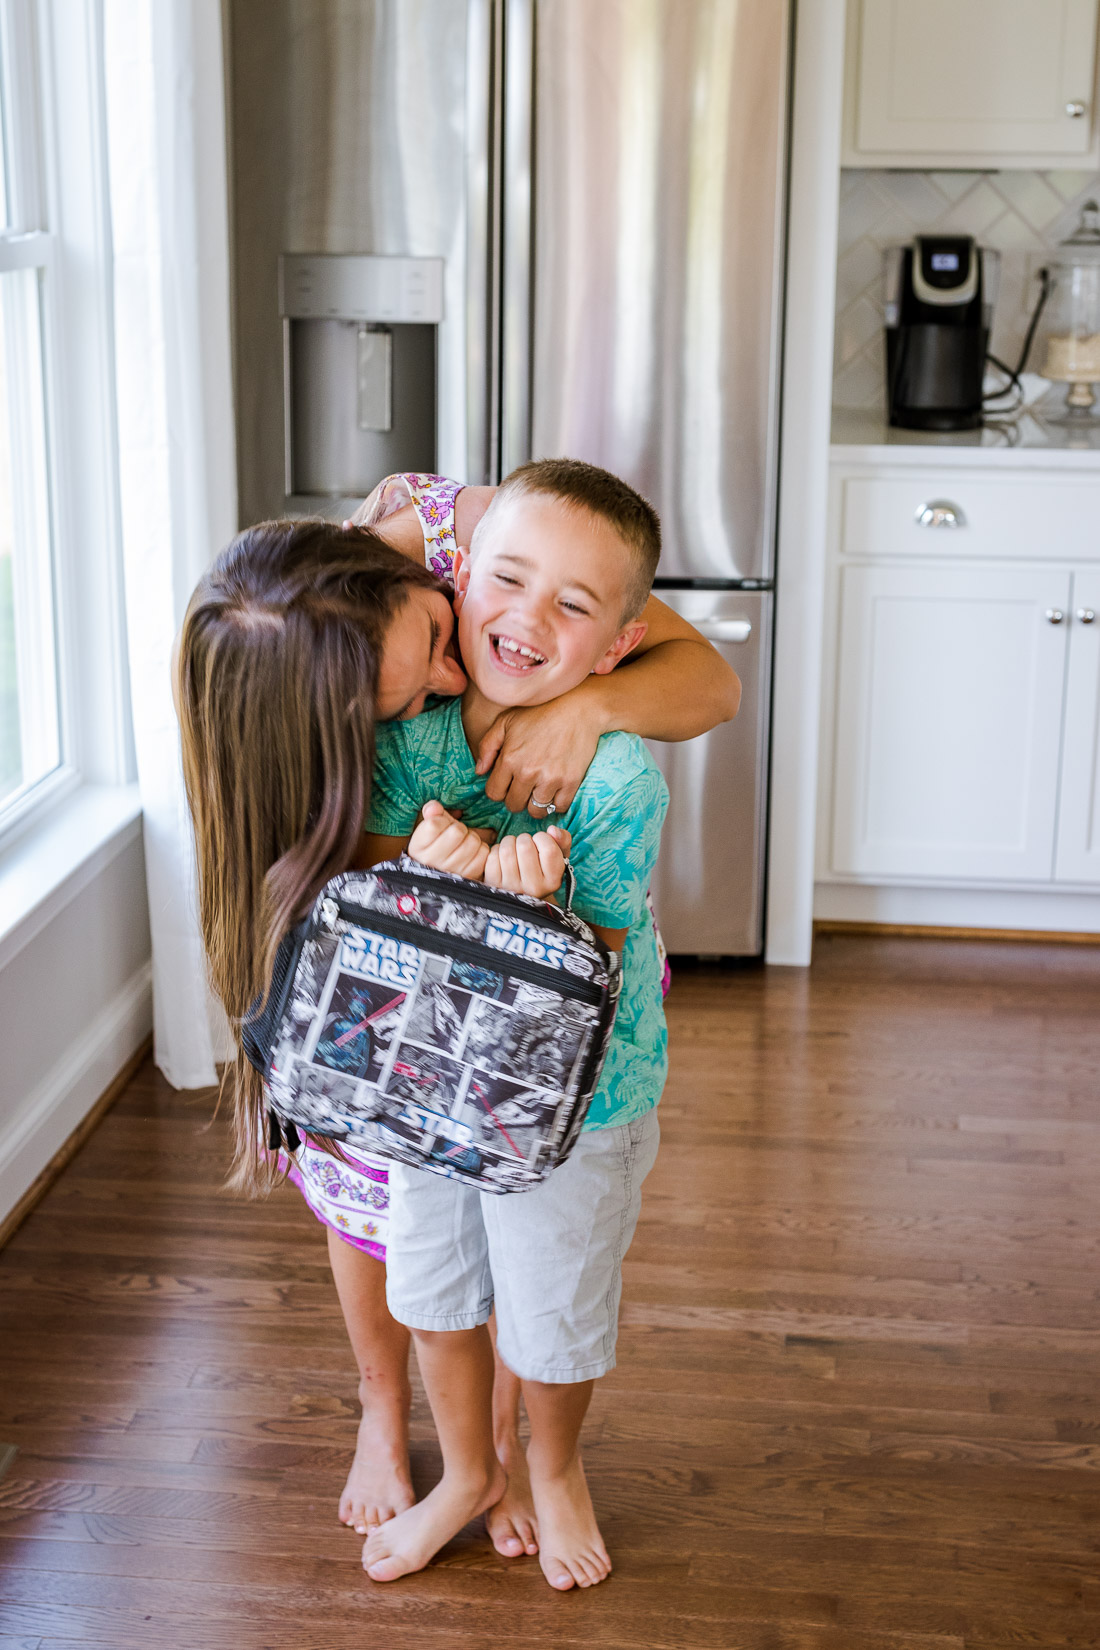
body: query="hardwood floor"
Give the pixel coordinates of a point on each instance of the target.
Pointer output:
(857, 1405)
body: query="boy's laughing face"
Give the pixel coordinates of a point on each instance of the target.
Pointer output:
(540, 601)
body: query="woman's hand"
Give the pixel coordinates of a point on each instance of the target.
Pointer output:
(673, 685)
(446, 844)
(533, 865)
(541, 754)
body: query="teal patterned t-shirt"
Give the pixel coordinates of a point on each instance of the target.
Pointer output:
(615, 820)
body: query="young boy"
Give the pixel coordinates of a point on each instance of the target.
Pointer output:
(557, 573)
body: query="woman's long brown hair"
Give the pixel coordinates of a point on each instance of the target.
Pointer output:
(278, 668)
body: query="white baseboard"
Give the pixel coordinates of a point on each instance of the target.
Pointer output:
(70, 1088)
(1038, 911)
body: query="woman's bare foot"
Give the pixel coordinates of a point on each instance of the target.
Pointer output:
(413, 1538)
(572, 1553)
(378, 1486)
(512, 1525)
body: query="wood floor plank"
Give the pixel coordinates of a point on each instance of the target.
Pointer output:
(749, 1635)
(857, 1405)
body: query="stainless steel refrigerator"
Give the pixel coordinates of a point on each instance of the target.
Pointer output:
(522, 228)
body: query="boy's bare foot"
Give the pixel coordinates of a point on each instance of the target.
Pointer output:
(414, 1537)
(512, 1525)
(571, 1549)
(378, 1486)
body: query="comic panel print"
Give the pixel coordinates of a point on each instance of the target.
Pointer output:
(427, 1083)
(359, 1027)
(465, 922)
(438, 1016)
(537, 1039)
(329, 1102)
(424, 1077)
(483, 982)
(311, 976)
(508, 1119)
(554, 1031)
(415, 905)
(490, 1032)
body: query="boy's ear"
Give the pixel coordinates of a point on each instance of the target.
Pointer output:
(628, 638)
(460, 572)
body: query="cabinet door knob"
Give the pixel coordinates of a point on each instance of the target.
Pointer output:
(940, 512)
(1076, 110)
(1054, 615)
(1085, 615)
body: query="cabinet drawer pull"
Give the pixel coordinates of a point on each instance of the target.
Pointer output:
(1085, 615)
(1076, 110)
(1054, 615)
(940, 512)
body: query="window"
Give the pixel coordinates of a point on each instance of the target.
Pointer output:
(32, 744)
(64, 711)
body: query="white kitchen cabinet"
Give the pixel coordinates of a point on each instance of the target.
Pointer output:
(948, 721)
(1078, 858)
(971, 83)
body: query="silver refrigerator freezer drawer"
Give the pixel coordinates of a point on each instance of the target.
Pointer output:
(708, 887)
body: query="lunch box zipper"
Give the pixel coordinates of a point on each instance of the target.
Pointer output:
(555, 916)
(448, 945)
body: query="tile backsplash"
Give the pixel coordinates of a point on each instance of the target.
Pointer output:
(1022, 214)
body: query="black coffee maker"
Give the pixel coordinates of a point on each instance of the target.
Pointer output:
(940, 292)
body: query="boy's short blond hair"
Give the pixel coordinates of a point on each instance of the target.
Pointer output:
(607, 496)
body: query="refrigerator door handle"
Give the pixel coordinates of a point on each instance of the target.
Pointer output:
(480, 169)
(516, 275)
(724, 630)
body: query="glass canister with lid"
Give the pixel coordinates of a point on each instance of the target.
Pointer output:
(1071, 345)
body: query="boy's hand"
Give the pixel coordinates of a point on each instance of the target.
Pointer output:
(532, 865)
(445, 844)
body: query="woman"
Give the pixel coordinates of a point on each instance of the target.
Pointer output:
(299, 638)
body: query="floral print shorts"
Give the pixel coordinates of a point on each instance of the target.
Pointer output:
(353, 1197)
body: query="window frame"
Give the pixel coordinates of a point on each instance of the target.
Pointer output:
(58, 193)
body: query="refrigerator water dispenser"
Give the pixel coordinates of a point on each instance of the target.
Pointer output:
(359, 369)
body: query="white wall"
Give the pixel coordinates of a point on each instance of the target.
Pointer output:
(804, 478)
(75, 1004)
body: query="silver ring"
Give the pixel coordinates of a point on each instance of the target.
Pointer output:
(547, 807)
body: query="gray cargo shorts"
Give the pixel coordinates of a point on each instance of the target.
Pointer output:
(550, 1259)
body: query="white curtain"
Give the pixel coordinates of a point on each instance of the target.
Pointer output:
(167, 163)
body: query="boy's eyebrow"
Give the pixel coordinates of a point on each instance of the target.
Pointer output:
(526, 561)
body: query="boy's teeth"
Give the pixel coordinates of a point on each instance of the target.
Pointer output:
(520, 650)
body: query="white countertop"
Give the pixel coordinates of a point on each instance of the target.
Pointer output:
(1026, 443)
